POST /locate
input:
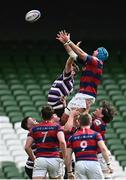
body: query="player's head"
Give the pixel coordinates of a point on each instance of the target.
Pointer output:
(28, 122)
(102, 53)
(47, 112)
(108, 112)
(85, 119)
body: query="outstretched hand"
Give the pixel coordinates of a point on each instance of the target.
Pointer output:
(78, 43)
(63, 36)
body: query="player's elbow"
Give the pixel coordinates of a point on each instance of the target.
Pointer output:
(68, 128)
(62, 143)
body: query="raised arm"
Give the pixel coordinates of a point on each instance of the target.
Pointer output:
(64, 38)
(70, 122)
(70, 60)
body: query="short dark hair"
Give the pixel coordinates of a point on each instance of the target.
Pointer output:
(108, 111)
(47, 112)
(24, 123)
(85, 119)
(59, 112)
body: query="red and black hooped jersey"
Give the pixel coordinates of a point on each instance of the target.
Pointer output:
(84, 144)
(45, 138)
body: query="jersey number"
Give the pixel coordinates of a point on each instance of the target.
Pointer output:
(83, 145)
(45, 135)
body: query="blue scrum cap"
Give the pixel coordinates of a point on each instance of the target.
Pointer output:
(102, 53)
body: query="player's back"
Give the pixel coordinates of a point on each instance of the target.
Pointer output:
(91, 76)
(84, 144)
(45, 138)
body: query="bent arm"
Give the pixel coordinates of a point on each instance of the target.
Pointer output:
(62, 142)
(28, 149)
(71, 120)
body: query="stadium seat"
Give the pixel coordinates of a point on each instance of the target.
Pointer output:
(114, 92)
(117, 125)
(123, 136)
(38, 97)
(122, 81)
(35, 92)
(9, 103)
(29, 81)
(20, 92)
(123, 164)
(32, 87)
(5, 92)
(12, 109)
(4, 119)
(111, 87)
(122, 108)
(4, 87)
(23, 98)
(14, 87)
(121, 157)
(7, 97)
(25, 103)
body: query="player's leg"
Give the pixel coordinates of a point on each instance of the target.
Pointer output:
(94, 170)
(56, 168)
(80, 170)
(29, 172)
(40, 169)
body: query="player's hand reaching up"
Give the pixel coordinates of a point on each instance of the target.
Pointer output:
(78, 43)
(63, 36)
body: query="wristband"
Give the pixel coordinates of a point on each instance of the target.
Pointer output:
(68, 42)
(65, 43)
(69, 172)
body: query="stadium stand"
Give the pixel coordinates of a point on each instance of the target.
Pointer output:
(25, 78)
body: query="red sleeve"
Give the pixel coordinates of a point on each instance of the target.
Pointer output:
(99, 137)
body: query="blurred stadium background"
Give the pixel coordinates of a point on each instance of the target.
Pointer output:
(31, 59)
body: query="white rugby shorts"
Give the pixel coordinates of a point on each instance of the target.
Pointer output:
(88, 170)
(53, 167)
(78, 101)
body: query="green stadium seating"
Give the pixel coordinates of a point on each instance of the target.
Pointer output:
(23, 103)
(32, 87)
(23, 98)
(27, 75)
(9, 103)
(14, 87)
(35, 92)
(19, 92)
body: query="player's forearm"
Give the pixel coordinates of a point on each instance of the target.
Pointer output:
(105, 154)
(69, 124)
(30, 153)
(76, 49)
(70, 52)
(63, 149)
(68, 65)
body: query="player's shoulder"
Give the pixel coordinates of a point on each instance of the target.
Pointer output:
(97, 122)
